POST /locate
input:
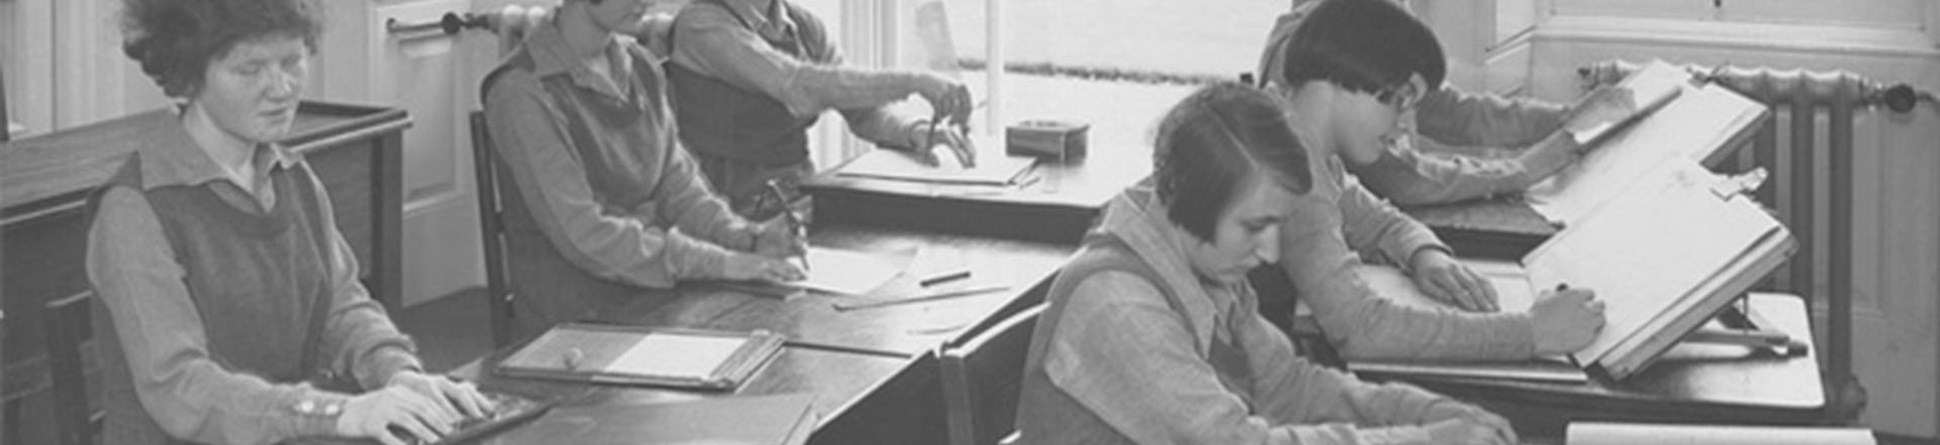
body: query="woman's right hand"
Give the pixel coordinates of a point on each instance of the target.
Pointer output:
(1565, 320)
(1464, 432)
(756, 267)
(373, 414)
(949, 97)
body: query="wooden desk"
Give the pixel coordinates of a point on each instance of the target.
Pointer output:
(1501, 228)
(871, 370)
(45, 182)
(1692, 383)
(1056, 207)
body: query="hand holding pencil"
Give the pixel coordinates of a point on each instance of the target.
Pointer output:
(785, 236)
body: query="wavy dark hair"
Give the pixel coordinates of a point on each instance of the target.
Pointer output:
(174, 40)
(1213, 140)
(1363, 46)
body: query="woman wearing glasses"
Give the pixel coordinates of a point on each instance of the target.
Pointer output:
(1423, 166)
(1351, 75)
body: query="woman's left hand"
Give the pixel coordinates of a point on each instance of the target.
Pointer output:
(1440, 276)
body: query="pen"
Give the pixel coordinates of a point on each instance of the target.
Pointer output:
(794, 221)
(944, 278)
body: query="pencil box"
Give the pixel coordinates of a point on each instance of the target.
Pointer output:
(1049, 139)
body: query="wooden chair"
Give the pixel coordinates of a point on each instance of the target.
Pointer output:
(6, 132)
(492, 230)
(983, 379)
(67, 323)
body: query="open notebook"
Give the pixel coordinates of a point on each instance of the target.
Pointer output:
(685, 358)
(1699, 124)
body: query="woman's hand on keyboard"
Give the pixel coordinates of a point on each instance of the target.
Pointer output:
(450, 393)
(373, 414)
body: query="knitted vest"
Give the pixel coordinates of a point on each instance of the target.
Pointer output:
(1046, 414)
(719, 119)
(258, 282)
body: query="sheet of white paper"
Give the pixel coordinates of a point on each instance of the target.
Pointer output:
(1512, 288)
(1600, 433)
(1514, 293)
(1671, 228)
(848, 272)
(902, 166)
(676, 355)
(1695, 125)
(1649, 87)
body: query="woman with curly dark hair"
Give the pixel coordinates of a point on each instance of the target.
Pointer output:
(231, 310)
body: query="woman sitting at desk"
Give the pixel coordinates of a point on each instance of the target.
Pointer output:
(233, 310)
(602, 203)
(1152, 334)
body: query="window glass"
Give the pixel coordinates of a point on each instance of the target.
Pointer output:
(1115, 64)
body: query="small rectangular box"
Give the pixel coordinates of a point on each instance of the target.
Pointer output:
(1047, 139)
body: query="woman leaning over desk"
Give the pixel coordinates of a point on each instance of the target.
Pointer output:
(233, 314)
(1152, 335)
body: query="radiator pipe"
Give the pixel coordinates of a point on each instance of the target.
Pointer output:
(1784, 85)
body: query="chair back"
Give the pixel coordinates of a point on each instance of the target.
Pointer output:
(6, 132)
(983, 378)
(67, 323)
(492, 229)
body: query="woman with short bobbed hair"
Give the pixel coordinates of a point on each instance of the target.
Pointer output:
(1152, 334)
(230, 307)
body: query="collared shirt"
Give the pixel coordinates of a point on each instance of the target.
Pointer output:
(1337, 225)
(1129, 357)
(601, 172)
(1445, 116)
(715, 42)
(135, 275)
